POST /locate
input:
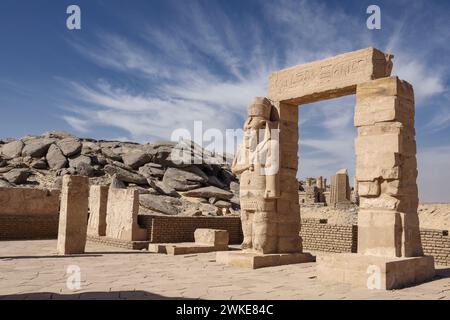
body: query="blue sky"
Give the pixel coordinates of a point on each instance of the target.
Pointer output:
(138, 70)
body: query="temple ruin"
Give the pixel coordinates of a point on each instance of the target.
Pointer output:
(386, 171)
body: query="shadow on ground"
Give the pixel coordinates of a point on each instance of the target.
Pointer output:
(84, 255)
(442, 273)
(114, 295)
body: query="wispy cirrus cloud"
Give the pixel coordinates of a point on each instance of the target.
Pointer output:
(206, 64)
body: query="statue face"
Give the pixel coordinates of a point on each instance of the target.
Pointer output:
(255, 123)
(254, 131)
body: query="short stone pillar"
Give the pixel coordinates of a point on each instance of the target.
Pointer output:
(121, 216)
(390, 252)
(98, 201)
(73, 215)
(212, 237)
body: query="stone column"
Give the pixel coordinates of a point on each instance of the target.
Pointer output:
(98, 200)
(73, 215)
(386, 169)
(288, 207)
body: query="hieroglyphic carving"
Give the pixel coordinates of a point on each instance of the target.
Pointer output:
(329, 78)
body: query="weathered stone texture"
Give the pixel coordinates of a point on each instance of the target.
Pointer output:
(121, 216)
(212, 237)
(73, 216)
(340, 188)
(386, 169)
(28, 201)
(98, 201)
(328, 78)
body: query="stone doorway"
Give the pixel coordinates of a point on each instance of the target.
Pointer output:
(386, 165)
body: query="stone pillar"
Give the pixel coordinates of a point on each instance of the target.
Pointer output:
(340, 188)
(319, 182)
(390, 254)
(122, 215)
(73, 215)
(386, 169)
(288, 207)
(98, 200)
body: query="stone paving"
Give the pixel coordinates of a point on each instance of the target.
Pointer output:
(30, 270)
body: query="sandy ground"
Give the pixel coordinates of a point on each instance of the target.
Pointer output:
(431, 215)
(30, 270)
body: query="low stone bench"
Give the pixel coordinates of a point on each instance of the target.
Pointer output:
(206, 240)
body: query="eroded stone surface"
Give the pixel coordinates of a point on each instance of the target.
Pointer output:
(329, 78)
(121, 216)
(73, 215)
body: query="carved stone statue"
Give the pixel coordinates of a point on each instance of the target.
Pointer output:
(257, 163)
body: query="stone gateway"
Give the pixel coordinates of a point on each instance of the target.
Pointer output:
(386, 172)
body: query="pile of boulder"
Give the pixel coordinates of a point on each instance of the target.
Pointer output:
(172, 178)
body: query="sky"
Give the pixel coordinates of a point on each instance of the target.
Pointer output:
(138, 70)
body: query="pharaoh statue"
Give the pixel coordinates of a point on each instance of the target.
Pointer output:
(256, 162)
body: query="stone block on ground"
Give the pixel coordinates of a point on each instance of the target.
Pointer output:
(253, 260)
(375, 272)
(212, 237)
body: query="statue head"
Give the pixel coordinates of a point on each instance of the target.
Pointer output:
(258, 114)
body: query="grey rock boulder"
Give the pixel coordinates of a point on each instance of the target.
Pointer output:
(162, 204)
(74, 162)
(116, 183)
(55, 158)
(37, 148)
(17, 176)
(39, 164)
(85, 169)
(5, 184)
(70, 146)
(135, 159)
(152, 170)
(12, 149)
(109, 153)
(209, 192)
(162, 188)
(184, 179)
(125, 175)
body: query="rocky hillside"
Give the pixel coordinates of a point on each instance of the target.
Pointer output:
(167, 182)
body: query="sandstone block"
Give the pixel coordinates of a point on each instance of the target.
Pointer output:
(328, 78)
(73, 215)
(212, 237)
(98, 200)
(121, 216)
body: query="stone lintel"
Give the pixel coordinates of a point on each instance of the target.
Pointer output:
(329, 78)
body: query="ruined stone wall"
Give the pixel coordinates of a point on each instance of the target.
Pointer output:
(29, 201)
(162, 229)
(27, 213)
(318, 235)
